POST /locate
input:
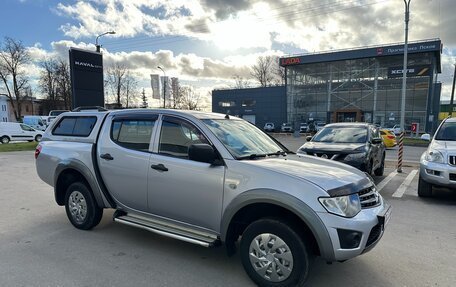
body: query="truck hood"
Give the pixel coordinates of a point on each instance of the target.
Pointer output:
(333, 177)
(448, 146)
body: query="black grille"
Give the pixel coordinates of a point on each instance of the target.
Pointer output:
(369, 197)
(452, 159)
(329, 155)
(453, 176)
(374, 234)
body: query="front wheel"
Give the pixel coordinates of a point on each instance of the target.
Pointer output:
(381, 169)
(274, 255)
(81, 207)
(424, 188)
(5, 140)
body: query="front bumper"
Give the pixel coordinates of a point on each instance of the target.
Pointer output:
(369, 222)
(440, 174)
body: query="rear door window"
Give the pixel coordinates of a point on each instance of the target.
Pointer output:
(132, 133)
(75, 126)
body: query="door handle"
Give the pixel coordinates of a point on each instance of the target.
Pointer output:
(106, 156)
(159, 167)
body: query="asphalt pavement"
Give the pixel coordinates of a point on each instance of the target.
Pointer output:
(39, 247)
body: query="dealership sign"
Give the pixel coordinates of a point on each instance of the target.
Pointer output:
(412, 71)
(290, 61)
(86, 68)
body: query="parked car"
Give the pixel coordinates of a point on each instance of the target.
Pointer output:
(216, 179)
(319, 126)
(389, 138)
(18, 132)
(36, 122)
(286, 128)
(396, 129)
(303, 127)
(438, 162)
(356, 144)
(269, 127)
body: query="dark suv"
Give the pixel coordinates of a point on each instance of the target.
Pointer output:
(357, 144)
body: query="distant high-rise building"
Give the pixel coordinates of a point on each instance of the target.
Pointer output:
(175, 86)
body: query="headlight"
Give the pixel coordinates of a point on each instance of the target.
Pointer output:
(434, 156)
(346, 206)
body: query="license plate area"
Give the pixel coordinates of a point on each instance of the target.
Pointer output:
(384, 216)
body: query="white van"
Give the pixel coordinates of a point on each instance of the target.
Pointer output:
(36, 122)
(18, 132)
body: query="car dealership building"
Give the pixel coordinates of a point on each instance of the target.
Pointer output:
(354, 85)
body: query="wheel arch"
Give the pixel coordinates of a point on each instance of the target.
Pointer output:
(72, 171)
(256, 204)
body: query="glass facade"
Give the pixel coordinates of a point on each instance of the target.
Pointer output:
(362, 90)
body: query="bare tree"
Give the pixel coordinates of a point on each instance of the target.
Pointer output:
(240, 82)
(48, 81)
(190, 100)
(115, 80)
(130, 89)
(64, 83)
(262, 71)
(13, 59)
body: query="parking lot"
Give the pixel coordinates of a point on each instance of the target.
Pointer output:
(39, 247)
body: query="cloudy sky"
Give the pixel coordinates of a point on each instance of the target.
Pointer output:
(206, 42)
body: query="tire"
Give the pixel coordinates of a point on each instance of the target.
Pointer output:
(81, 207)
(381, 169)
(290, 243)
(5, 140)
(369, 167)
(424, 188)
(38, 138)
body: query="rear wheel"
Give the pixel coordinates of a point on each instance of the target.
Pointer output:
(424, 188)
(38, 138)
(274, 255)
(81, 207)
(5, 140)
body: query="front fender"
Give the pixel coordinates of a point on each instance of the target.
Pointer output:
(289, 202)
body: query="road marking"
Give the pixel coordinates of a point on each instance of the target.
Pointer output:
(401, 190)
(385, 181)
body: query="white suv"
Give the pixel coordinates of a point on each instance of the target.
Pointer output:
(438, 163)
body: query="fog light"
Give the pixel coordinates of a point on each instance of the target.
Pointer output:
(349, 239)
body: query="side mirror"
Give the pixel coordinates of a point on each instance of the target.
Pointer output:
(308, 138)
(203, 153)
(426, 137)
(377, 141)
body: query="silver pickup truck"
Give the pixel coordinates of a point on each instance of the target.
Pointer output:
(211, 179)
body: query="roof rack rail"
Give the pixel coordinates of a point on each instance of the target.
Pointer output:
(84, 108)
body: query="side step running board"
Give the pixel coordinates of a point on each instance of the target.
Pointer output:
(206, 240)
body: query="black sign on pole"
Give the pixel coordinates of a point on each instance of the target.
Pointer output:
(86, 69)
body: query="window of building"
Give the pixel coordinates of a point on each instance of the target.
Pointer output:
(75, 126)
(27, 108)
(177, 136)
(248, 103)
(227, 104)
(132, 133)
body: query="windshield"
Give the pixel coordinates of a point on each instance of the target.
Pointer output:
(243, 139)
(342, 135)
(447, 132)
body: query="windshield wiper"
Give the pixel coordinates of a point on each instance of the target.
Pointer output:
(251, 156)
(280, 152)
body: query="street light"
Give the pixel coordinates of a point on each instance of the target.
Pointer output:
(164, 87)
(404, 88)
(96, 40)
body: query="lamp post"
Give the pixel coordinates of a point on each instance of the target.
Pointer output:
(164, 87)
(404, 89)
(96, 40)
